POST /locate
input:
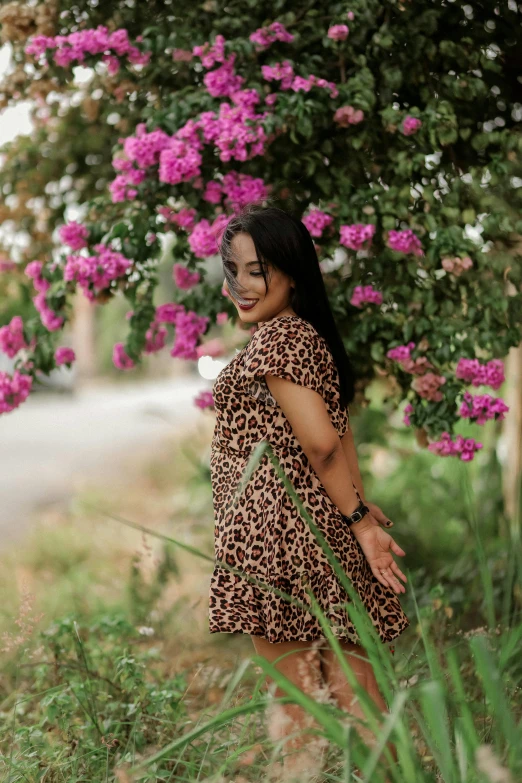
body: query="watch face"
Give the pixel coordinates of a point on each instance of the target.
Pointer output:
(356, 516)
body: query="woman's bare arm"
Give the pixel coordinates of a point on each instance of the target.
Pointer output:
(350, 451)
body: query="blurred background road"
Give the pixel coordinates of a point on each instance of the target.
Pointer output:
(55, 441)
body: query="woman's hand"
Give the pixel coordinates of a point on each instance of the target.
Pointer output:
(379, 516)
(377, 546)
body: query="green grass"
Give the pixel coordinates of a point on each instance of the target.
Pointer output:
(120, 681)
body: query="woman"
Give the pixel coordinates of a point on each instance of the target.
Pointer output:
(291, 385)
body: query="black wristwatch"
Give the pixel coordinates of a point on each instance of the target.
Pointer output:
(356, 515)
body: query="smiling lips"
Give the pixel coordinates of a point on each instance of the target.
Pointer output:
(249, 306)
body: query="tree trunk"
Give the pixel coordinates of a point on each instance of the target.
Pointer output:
(511, 439)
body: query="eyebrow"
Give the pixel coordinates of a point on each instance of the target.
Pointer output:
(249, 263)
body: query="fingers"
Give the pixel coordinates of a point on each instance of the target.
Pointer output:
(398, 571)
(387, 577)
(394, 583)
(396, 548)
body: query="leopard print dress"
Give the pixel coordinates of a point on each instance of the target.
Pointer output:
(259, 532)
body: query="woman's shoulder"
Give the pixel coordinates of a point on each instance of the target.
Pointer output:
(285, 325)
(290, 334)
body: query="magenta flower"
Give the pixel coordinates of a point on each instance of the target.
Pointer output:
(202, 240)
(338, 32)
(348, 115)
(224, 81)
(410, 125)
(120, 358)
(64, 356)
(189, 328)
(264, 36)
(155, 337)
(95, 273)
(211, 54)
(215, 347)
(12, 337)
(489, 374)
(75, 46)
(204, 400)
(74, 235)
(365, 293)
(407, 410)
(168, 313)
(481, 407)
(184, 278)
(465, 448)
(405, 242)
(356, 235)
(241, 189)
(428, 386)
(14, 390)
(316, 221)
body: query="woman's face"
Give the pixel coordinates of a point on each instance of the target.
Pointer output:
(247, 271)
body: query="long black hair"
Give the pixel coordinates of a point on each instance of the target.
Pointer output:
(284, 241)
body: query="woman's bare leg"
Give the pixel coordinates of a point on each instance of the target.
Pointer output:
(341, 690)
(303, 751)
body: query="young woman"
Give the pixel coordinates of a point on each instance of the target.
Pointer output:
(291, 386)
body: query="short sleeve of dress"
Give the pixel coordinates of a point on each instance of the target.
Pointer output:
(294, 353)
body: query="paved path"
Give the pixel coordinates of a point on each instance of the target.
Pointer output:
(55, 439)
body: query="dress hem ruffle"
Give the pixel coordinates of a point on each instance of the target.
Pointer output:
(239, 606)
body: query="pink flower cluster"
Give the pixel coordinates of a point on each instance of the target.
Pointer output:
(179, 162)
(12, 337)
(184, 278)
(211, 54)
(405, 242)
(224, 81)
(48, 317)
(401, 354)
(64, 355)
(189, 327)
(34, 271)
(94, 273)
(481, 407)
(215, 347)
(284, 72)
(179, 156)
(202, 240)
(355, 235)
(238, 189)
(365, 293)
(348, 115)
(155, 336)
(428, 386)
(338, 32)
(204, 400)
(265, 36)
(407, 410)
(410, 125)
(183, 218)
(316, 221)
(457, 265)
(122, 188)
(222, 317)
(489, 374)
(75, 46)
(13, 390)
(465, 448)
(74, 235)
(182, 55)
(228, 130)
